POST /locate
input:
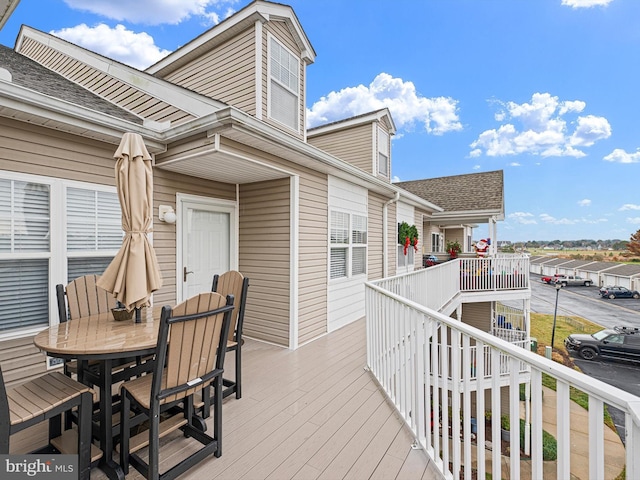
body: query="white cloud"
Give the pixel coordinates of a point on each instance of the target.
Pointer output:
(546, 218)
(586, 3)
(476, 167)
(395, 179)
(438, 114)
(135, 49)
(523, 218)
(153, 12)
(620, 156)
(542, 129)
(633, 220)
(629, 206)
(584, 203)
(515, 164)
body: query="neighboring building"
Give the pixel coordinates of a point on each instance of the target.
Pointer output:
(307, 216)
(466, 200)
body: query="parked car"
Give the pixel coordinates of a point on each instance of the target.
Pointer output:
(620, 343)
(618, 292)
(574, 281)
(549, 279)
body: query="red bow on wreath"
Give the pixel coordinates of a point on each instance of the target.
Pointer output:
(415, 244)
(407, 242)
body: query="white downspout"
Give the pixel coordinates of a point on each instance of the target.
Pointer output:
(385, 234)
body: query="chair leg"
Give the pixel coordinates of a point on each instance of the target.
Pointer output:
(84, 435)
(154, 444)
(206, 400)
(125, 430)
(217, 415)
(55, 427)
(238, 373)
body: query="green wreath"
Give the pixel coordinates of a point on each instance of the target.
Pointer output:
(405, 230)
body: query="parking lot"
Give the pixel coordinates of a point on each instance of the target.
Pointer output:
(585, 302)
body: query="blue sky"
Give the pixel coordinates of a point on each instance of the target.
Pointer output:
(546, 90)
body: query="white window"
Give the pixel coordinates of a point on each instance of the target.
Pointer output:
(51, 231)
(436, 242)
(348, 245)
(284, 85)
(383, 153)
(405, 260)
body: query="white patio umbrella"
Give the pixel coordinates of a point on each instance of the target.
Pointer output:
(133, 274)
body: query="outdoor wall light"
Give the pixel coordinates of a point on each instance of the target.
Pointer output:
(166, 214)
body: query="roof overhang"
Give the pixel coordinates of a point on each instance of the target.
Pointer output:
(467, 217)
(6, 9)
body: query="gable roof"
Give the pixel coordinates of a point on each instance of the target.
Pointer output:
(29, 74)
(257, 10)
(382, 115)
(469, 198)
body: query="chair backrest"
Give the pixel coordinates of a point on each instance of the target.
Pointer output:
(198, 328)
(233, 283)
(84, 298)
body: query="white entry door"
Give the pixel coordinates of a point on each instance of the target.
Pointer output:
(207, 231)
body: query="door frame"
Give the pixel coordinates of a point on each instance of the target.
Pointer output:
(207, 203)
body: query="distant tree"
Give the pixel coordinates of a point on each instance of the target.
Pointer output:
(619, 245)
(634, 243)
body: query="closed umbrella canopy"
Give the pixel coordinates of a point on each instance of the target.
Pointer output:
(133, 274)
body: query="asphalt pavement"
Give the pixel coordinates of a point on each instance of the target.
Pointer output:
(585, 302)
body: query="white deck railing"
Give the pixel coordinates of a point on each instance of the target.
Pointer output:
(412, 348)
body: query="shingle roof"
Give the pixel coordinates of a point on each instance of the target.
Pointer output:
(576, 263)
(461, 193)
(29, 74)
(625, 269)
(598, 266)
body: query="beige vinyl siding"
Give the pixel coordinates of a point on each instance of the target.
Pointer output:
(375, 232)
(353, 145)
(313, 241)
(312, 257)
(477, 315)
(21, 360)
(419, 225)
(226, 73)
(265, 258)
(165, 187)
(125, 96)
(455, 235)
(281, 32)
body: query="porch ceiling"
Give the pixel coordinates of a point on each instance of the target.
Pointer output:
(212, 163)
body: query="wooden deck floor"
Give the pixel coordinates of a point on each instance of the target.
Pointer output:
(313, 413)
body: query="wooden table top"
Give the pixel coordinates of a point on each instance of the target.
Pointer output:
(99, 335)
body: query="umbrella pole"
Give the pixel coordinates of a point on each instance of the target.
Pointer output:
(138, 315)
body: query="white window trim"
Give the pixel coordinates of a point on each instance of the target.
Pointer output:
(57, 253)
(270, 36)
(348, 246)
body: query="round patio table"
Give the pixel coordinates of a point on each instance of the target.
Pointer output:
(101, 338)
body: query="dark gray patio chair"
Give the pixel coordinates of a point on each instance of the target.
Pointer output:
(198, 330)
(46, 398)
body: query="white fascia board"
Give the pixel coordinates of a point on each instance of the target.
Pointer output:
(499, 215)
(190, 102)
(30, 102)
(353, 122)
(8, 6)
(257, 11)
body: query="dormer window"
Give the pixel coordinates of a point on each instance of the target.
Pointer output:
(284, 85)
(383, 153)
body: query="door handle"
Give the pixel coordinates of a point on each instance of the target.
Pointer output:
(185, 273)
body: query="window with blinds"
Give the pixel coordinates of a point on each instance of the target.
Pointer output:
(348, 245)
(383, 153)
(284, 85)
(33, 250)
